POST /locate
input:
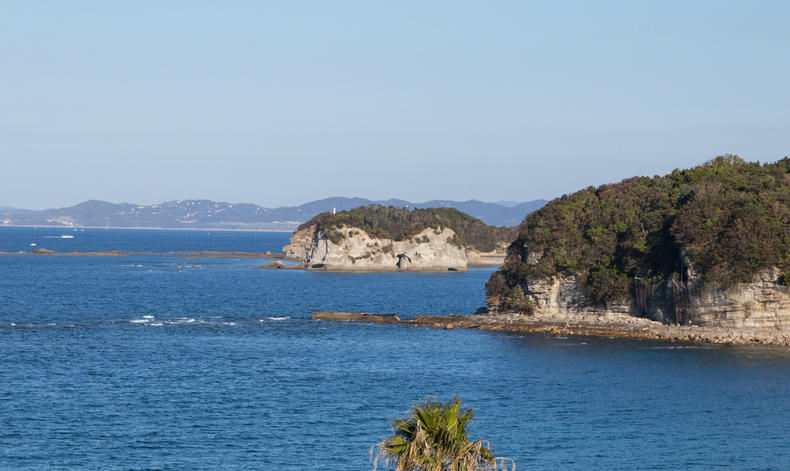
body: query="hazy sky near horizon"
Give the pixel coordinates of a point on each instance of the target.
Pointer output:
(279, 103)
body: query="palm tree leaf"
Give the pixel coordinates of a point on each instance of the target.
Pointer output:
(434, 437)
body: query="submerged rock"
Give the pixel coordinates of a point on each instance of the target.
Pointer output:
(281, 266)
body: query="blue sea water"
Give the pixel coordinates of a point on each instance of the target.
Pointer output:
(172, 362)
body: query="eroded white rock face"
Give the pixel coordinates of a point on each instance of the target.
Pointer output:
(431, 249)
(761, 305)
(300, 243)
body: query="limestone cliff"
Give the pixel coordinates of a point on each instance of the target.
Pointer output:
(353, 249)
(761, 307)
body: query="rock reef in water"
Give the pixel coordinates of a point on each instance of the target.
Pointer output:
(350, 316)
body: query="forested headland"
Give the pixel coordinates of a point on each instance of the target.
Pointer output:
(727, 218)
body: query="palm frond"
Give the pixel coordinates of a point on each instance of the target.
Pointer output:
(434, 437)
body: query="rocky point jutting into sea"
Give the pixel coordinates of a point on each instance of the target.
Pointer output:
(376, 238)
(699, 254)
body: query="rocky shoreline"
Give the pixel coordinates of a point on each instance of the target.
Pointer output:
(605, 326)
(610, 325)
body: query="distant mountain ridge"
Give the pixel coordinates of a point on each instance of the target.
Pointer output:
(207, 214)
(12, 210)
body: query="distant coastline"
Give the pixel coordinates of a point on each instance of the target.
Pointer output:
(224, 229)
(43, 251)
(208, 213)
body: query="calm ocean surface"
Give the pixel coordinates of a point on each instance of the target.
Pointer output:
(164, 362)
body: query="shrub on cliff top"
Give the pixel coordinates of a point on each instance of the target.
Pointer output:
(401, 224)
(730, 217)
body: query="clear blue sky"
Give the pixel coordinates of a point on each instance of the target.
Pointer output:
(281, 103)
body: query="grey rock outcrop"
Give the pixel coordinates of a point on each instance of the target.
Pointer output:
(356, 250)
(763, 305)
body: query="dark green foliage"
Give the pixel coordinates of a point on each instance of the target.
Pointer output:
(502, 297)
(401, 224)
(732, 218)
(334, 236)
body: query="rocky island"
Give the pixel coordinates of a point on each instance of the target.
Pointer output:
(385, 238)
(706, 248)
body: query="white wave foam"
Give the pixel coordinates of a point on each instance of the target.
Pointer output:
(278, 318)
(180, 320)
(148, 317)
(140, 321)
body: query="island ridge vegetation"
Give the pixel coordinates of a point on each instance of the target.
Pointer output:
(398, 224)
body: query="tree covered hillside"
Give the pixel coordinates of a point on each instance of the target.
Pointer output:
(731, 218)
(400, 224)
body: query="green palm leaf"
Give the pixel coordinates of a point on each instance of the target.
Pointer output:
(434, 437)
